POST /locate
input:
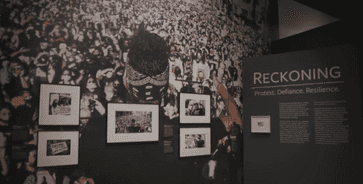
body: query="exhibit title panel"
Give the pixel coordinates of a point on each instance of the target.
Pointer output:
(312, 101)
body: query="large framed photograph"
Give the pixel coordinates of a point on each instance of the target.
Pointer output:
(132, 123)
(57, 148)
(59, 105)
(195, 142)
(194, 108)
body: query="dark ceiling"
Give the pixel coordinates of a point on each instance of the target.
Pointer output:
(343, 10)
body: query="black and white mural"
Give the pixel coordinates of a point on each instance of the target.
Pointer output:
(195, 47)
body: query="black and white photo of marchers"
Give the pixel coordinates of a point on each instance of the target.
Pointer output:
(60, 104)
(194, 141)
(58, 147)
(133, 122)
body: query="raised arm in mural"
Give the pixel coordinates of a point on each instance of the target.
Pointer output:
(230, 106)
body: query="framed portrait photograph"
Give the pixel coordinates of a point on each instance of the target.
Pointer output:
(194, 108)
(195, 142)
(132, 123)
(57, 148)
(59, 105)
(260, 124)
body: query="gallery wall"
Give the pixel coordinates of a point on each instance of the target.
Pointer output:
(86, 44)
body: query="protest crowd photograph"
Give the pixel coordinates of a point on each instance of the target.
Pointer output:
(133, 122)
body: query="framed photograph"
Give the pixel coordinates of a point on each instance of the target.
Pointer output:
(132, 123)
(56, 148)
(260, 124)
(194, 108)
(59, 105)
(194, 142)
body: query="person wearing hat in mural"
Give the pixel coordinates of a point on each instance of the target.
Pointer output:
(147, 71)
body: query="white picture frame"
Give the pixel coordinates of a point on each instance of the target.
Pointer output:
(57, 148)
(191, 149)
(120, 117)
(261, 124)
(187, 102)
(53, 113)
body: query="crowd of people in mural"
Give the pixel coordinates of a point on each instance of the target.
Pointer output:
(86, 42)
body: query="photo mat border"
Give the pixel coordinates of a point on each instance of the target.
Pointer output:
(254, 124)
(194, 119)
(112, 137)
(198, 151)
(57, 160)
(45, 118)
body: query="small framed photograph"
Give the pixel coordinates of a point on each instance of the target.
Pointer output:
(194, 108)
(260, 124)
(132, 123)
(56, 148)
(194, 142)
(59, 105)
